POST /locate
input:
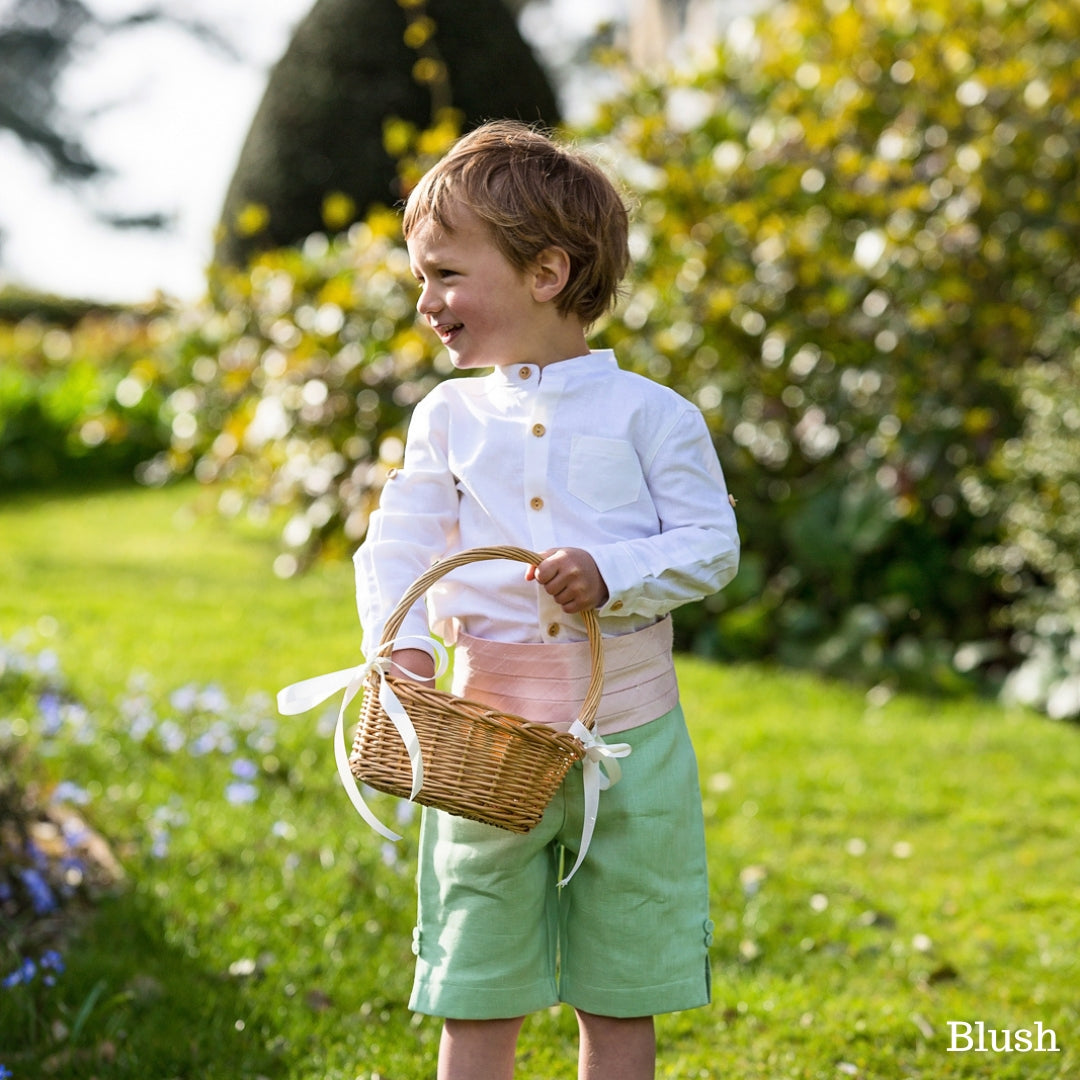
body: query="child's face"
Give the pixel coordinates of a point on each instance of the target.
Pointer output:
(482, 307)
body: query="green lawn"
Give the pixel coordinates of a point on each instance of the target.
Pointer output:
(879, 869)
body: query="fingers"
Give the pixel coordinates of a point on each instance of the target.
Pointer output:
(570, 577)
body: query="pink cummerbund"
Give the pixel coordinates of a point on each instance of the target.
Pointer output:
(546, 682)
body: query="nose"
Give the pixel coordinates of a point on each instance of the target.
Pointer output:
(427, 301)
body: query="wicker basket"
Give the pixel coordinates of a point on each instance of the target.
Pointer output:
(478, 763)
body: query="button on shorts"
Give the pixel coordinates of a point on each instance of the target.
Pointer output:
(628, 936)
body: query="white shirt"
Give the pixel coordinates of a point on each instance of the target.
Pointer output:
(576, 454)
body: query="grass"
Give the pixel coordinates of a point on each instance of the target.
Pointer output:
(879, 868)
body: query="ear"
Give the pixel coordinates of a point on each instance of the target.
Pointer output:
(550, 273)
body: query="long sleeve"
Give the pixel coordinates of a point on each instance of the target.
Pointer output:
(696, 551)
(414, 525)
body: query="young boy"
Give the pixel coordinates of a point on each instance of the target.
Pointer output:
(518, 246)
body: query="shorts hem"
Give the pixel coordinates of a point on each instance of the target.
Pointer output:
(639, 1000)
(481, 1003)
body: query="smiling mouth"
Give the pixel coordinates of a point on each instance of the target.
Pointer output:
(447, 331)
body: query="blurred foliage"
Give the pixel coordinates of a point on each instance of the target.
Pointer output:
(852, 226)
(304, 369)
(1034, 485)
(84, 402)
(856, 237)
(65, 311)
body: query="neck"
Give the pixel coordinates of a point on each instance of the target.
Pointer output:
(567, 342)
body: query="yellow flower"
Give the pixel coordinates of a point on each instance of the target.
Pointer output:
(338, 210)
(252, 219)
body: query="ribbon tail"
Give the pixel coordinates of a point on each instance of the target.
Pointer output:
(596, 780)
(301, 696)
(591, 776)
(348, 781)
(404, 726)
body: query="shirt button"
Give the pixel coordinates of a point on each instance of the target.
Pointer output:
(537, 503)
(553, 630)
(524, 372)
(538, 430)
(617, 606)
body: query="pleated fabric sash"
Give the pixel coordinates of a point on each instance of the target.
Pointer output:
(546, 683)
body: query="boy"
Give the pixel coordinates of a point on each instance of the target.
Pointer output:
(518, 246)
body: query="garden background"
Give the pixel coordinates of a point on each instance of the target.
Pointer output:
(856, 230)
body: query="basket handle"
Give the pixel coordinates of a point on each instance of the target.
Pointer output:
(480, 554)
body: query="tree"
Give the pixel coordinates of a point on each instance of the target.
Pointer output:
(352, 66)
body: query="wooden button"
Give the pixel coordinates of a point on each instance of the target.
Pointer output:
(537, 503)
(524, 372)
(553, 630)
(538, 430)
(617, 606)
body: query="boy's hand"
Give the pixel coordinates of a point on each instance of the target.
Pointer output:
(571, 578)
(418, 665)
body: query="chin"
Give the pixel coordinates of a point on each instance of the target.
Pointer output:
(467, 363)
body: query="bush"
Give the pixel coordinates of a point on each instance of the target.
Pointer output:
(83, 402)
(1034, 485)
(853, 225)
(304, 369)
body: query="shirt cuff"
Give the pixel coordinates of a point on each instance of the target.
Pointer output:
(622, 578)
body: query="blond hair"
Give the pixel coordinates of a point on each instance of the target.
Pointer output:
(533, 194)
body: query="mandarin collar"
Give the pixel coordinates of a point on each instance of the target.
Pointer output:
(524, 375)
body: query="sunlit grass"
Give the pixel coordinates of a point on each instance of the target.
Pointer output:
(878, 869)
(133, 579)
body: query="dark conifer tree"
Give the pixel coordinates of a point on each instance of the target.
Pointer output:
(350, 66)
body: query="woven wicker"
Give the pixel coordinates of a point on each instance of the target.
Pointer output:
(478, 763)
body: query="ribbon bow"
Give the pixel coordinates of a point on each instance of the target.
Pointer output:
(597, 753)
(301, 696)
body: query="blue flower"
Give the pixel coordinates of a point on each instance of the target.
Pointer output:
(213, 699)
(184, 698)
(49, 708)
(52, 960)
(5, 1073)
(244, 769)
(172, 736)
(67, 791)
(41, 895)
(24, 973)
(238, 792)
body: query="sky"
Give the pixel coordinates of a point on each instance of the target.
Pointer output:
(169, 116)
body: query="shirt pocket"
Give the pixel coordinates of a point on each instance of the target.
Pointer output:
(604, 473)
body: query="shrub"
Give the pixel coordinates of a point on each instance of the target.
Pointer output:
(852, 225)
(1034, 485)
(304, 369)
(82, 402)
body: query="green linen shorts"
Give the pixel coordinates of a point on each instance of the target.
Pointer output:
(629, 935)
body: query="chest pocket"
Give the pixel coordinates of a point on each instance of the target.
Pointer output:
(604, 473)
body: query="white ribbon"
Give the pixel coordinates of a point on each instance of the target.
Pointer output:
(597, 779)
(301, 696)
